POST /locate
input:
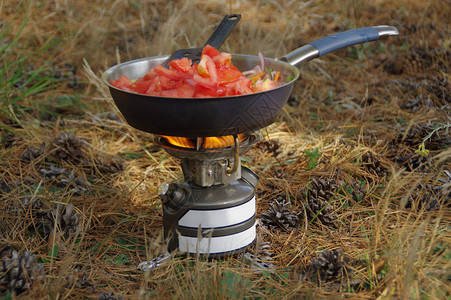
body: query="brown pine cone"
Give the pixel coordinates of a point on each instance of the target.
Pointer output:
(318, 196)
(330, 265)
(64, 217)
(272, 146)
(372, 163)
(430, 196)
(32, 153)
(18, 272)
(69, 147)
(414, 162)
(110, 296)
(278, 215)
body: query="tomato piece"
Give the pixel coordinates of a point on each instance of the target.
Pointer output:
(170, 73)
(186, 90)
(205, 92)
(142, 86)
(183, 64)
(205, 82)
(155, 87)
(228, 73)
(122, 82)
(169, 93)
(241, 86)
(167, 83)
(202, 69)
(207, 68)
(223, 59)
(210, 51)
(208, 76)
(149, 75)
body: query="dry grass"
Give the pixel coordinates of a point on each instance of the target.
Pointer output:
(350, 105)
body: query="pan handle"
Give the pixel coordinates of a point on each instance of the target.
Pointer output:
(223, 30)
(337, 41)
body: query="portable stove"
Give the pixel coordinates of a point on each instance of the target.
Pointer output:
(213, 211)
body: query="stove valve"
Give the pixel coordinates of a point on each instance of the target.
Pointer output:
(173, 195)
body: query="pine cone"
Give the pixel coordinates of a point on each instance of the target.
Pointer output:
(69, 147)
(64, 179)
(80, 280)
(110, 296)
(425, 196)
(417, 102)
(430, 196)
(27, 205)
(8, 139)
(318, 197)
(271, 146)
(441, 88)
(32, 153)
(358, 191)
(372, 162)
(279, 215)
(65, 218)
(414, 162)
(330, 265)
(417, 133)
(109, 166)
(18, 272)
(411, 63)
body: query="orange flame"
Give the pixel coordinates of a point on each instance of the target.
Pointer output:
(210, 142)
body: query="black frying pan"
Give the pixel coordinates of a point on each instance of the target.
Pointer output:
(198, 117)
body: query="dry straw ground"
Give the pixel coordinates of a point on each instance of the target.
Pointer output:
(361, 152)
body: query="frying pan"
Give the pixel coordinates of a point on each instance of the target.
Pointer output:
(203, 117)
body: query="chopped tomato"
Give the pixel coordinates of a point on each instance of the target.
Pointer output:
(150, 75)
(239, 87)
(186, 91)
(210, 51)
(214, 76)
(122, 82)
(170, 73)
(206, 82)
(169, 93)
(182, 65)
(167, 83)
(208, 75)
(223, 59)
(228, 73)
(142, 86)
(202, 91)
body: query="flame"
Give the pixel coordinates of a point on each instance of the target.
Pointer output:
(179, 141)
(210, 142)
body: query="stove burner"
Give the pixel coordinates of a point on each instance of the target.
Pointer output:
(245, 143)
(207, 167)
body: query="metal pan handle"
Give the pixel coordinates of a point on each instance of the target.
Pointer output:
(223, 30)
(337, 41)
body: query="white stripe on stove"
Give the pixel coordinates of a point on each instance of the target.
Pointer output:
(218, 217)
(219, 244)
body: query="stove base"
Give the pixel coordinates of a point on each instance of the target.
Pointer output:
(215, 220)
(217, 245)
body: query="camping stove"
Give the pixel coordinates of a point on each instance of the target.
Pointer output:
(213, 211)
